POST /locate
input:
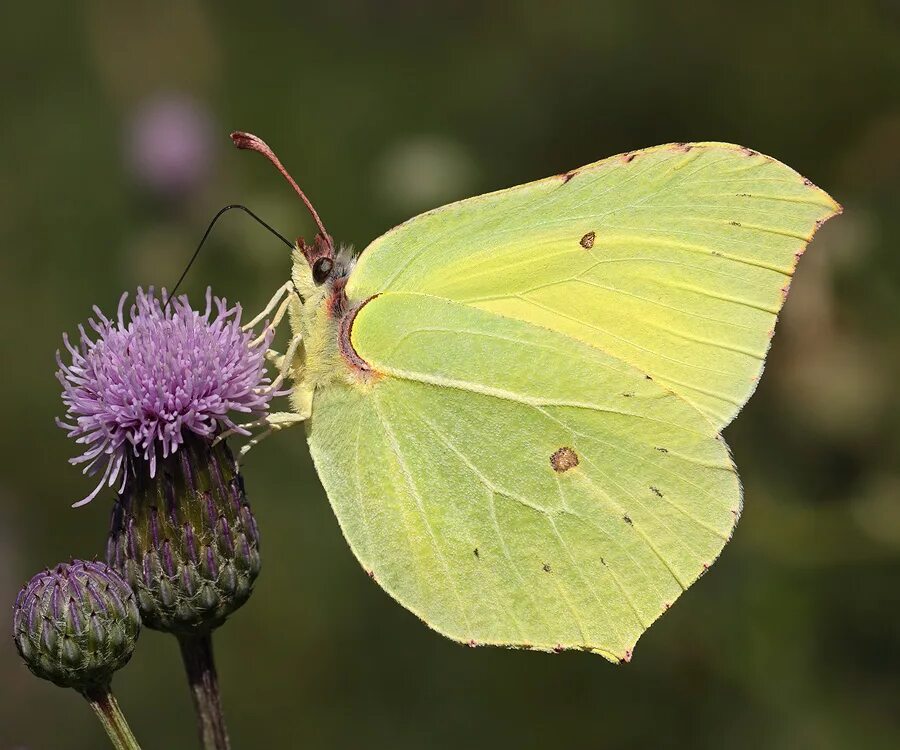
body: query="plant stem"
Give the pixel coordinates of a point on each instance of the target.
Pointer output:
(111, 717)
(196, 651)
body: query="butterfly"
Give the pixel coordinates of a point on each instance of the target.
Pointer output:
(515, 402)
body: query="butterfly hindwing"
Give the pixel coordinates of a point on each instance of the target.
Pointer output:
(513, 485)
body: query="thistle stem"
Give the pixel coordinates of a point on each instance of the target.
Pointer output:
(111, 717)
(196, 651)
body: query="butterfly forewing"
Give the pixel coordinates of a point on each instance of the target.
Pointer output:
(675, 259)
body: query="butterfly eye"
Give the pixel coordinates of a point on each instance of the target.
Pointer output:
(321, 269)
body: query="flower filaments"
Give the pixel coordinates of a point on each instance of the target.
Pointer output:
(137, 387)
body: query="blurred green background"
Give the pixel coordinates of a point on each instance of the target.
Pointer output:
(114, 120)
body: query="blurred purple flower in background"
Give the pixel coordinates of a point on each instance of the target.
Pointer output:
(141, 383)
(169, 145)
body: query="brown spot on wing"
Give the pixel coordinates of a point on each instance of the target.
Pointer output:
(587, 242)
(563, 459)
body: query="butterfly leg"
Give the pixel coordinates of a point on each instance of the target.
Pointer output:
(275, 358)
(273, 324)
(278, 420)
(275, 422)
(284, 363)
(276, 298)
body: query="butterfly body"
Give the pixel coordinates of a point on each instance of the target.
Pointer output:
(516, 401)
(316, 308)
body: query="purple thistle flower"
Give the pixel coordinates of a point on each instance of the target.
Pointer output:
(140, 384)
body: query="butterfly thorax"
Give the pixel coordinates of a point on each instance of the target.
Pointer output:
(318, 308)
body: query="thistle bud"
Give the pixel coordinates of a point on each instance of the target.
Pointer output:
(76, 624)
(185, 539)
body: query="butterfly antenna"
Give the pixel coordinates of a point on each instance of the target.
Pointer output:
(255, 143)
(212, 223)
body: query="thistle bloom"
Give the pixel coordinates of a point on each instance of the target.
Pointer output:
(137, 386)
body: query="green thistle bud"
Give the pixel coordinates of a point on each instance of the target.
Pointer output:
(76, 624)
(185, 539)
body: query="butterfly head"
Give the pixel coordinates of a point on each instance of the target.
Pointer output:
(320, 272)
(319, 256)
(328, 269)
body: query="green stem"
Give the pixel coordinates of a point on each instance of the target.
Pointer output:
(196, 651)
(111, 717)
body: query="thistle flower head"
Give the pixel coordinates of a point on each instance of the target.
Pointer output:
(76, 624)
(135, 387)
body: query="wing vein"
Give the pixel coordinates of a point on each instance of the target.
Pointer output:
(401, 461)
(506, 395)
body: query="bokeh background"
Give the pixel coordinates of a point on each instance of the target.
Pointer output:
(114, 119)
